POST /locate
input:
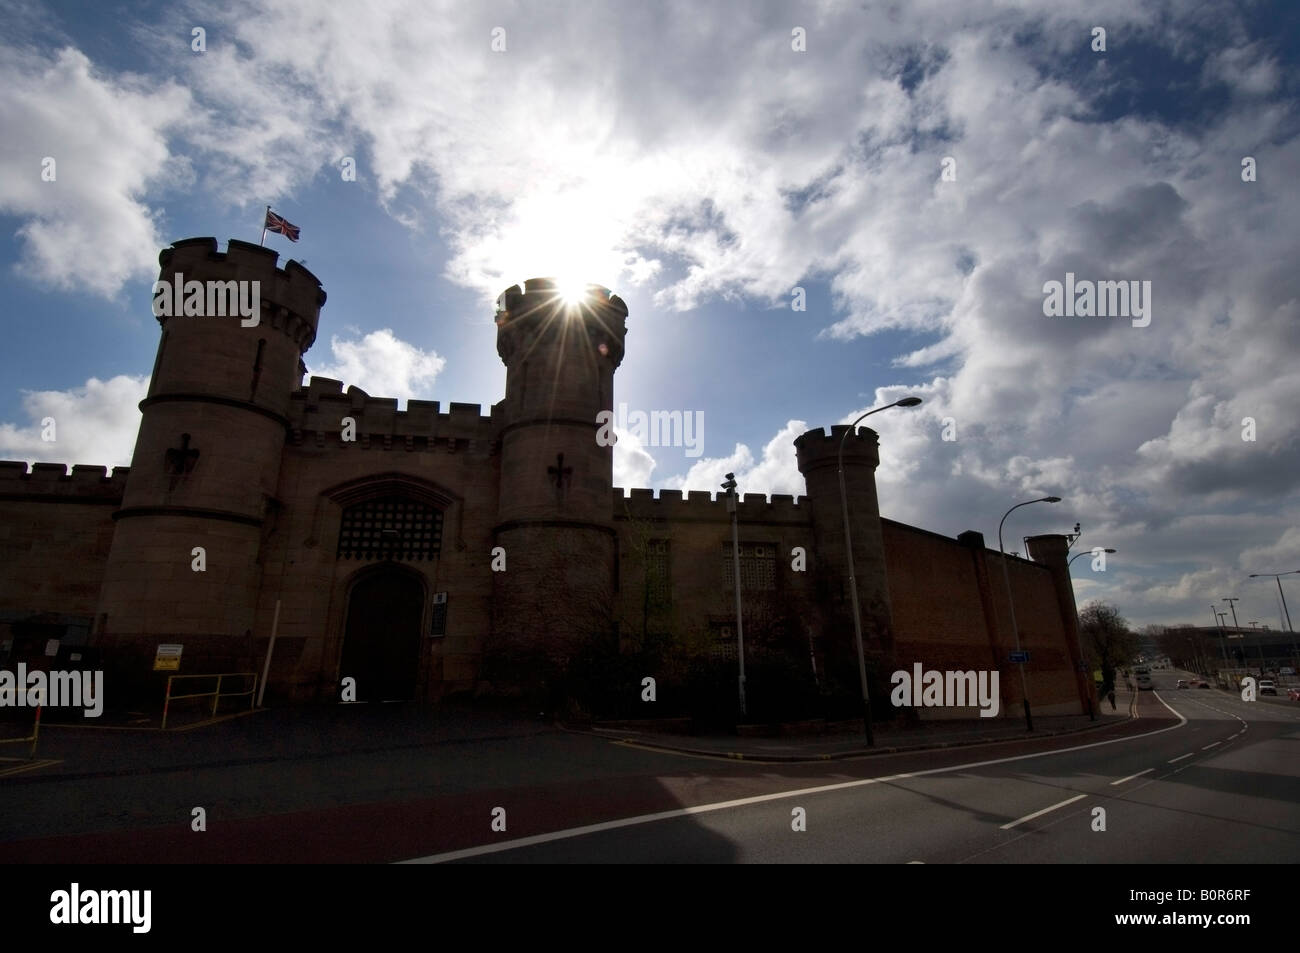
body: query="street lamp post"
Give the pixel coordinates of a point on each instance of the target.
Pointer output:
(1086, 552)
(1092, 712)
(1011, 603)
(1277, 577)
(1232, 604)
(853, 579)
(1223, 638)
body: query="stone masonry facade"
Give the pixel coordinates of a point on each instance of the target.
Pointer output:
(371, 540)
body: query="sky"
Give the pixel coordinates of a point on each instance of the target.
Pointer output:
(810, 209)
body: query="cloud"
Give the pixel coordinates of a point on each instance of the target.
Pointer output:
(94, 424)
(776, 470)
(632, 463)
(704, 160)
(88, 229)
(383, 365)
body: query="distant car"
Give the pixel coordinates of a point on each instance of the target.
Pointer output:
(1294, 694)
(1182, 683)
(1202, 684)
(1267, 687)
(1145, 683)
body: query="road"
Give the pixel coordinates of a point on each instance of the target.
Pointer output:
(1199, 777)
(1220, 784)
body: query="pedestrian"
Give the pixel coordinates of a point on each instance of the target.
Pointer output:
(1111, 696)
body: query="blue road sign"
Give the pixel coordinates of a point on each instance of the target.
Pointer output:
(1020, 656)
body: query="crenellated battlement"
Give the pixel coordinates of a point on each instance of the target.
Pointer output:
(291, 297)
(701, 506)
(317, 412)
(816, 448)
(543, 309)
(90, 484)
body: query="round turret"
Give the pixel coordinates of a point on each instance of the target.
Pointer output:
(207, 458)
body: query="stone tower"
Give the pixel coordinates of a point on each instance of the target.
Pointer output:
(1053, 551)
(817, 458)
(555, 522)
(207, 458)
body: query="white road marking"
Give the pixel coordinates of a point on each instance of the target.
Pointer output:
(1209, 746)
(1046, 810)
(758, 799)
(1180, 757)
(1131, 777)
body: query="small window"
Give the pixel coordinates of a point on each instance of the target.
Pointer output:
(757, 566)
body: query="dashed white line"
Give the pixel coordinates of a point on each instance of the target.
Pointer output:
(1209, 746)
(1046, 810)
(1180, 757)
(1131, 777)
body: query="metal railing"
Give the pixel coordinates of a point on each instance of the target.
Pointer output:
(217, 694)
(32, 738)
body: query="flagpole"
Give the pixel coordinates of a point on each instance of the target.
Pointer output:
(264, 217)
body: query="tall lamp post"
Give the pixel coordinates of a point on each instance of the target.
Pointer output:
(1223, 638)
(1277, 576)
(1011, 603)
(853, 579)
(1223, 627)
(1232, 604)
(730, 487)
(1092, 713)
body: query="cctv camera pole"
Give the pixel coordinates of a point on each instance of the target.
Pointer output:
(730, 487)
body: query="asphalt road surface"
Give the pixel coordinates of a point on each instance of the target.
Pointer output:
(1221, 784)
(1200, 777)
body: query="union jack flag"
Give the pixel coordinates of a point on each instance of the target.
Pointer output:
(274, 223)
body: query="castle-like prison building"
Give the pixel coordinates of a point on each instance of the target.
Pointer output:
(365, 536)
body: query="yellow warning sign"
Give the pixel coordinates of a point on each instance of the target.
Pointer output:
(168, 658)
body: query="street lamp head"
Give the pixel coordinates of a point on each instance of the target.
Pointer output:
(1108, 550)
(908, 402)
(1051, 499)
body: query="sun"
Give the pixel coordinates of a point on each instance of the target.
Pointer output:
(569, 237)
(571, 290)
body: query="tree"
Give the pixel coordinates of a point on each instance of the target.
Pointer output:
(1109, 641)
